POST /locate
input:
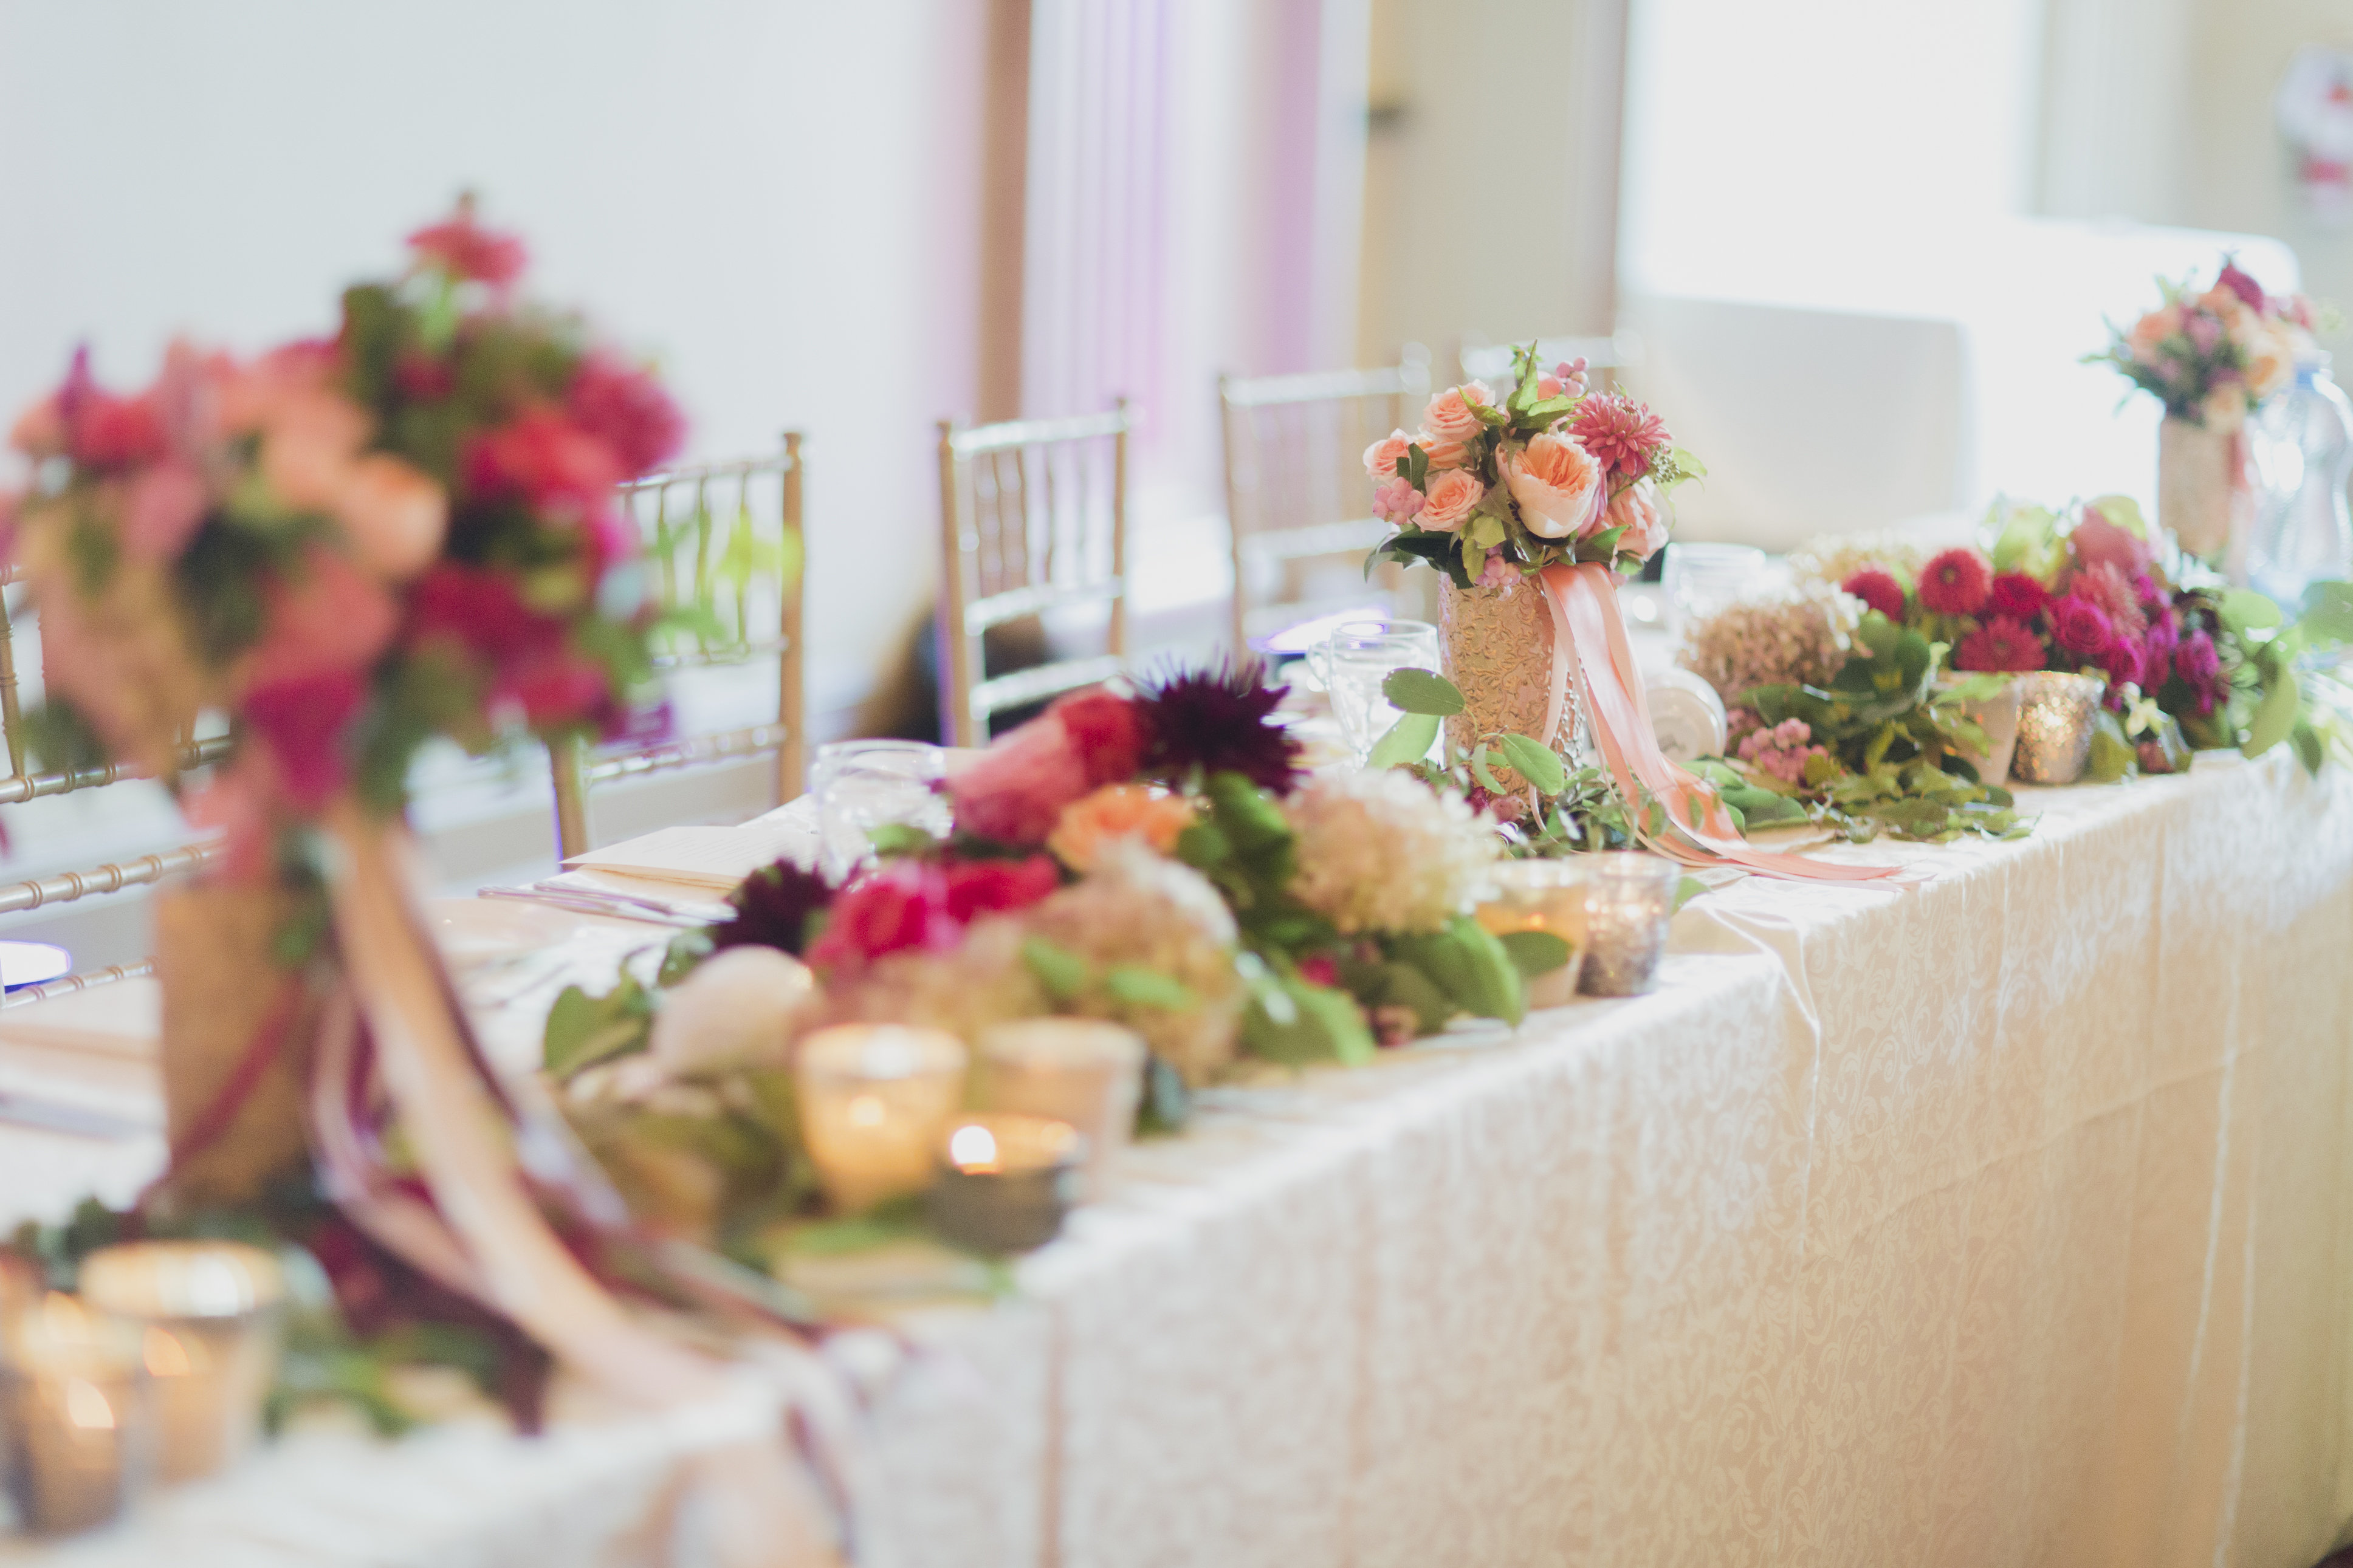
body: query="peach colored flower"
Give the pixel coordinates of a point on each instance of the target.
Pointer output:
(1118, 811)
(2152, 329)
(1557, 485)
(328, 617)
(1446, 454)
(1449, 415)
(2270, 363)
(1381, 457)
(1449, 500)
(394, 515)
(1637, 509)
(307, 445)
(39, 430)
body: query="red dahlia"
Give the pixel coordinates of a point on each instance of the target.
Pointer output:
(1955, 582)
(1879, 590)
(2017, 595)
(2002, 643)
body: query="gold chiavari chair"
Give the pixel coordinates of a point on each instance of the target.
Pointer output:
(1033, 517)
(23, 784)
(716, 564)
(1478, 360)
(1295, 484)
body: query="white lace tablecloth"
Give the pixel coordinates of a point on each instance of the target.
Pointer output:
(2004, 1220)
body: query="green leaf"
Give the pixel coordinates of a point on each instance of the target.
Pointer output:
(1062, 974)
(1406, 741)
(900, 838)
(1292, 1021)
(2328, 612)
(1202, 845)
(1469, 965)
(1686, 889)
(2243, 609)
(1167, 1104)
(2273, 719)
(1536, 762)
(1134, 985)
(2113, 756)
(583, 1030)
(1534, 952)
(1422, 692)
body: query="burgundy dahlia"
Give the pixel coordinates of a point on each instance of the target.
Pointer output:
(773, 908)
(1220, 720)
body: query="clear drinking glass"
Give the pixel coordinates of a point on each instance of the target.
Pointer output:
(1701, 579)
(861, 785)
(1356, 660)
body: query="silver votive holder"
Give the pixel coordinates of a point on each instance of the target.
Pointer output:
(1006, 1181)
(208, 1316)
(1085, 1071)
(77, 1438)
(1629, 897)
(1546, 895)
(2057, 715)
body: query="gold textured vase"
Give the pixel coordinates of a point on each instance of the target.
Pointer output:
(2203, 493)
(1496, 646)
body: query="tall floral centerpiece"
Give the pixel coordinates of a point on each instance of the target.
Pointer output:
(2209, 357)
(1492, 491)
(336, 552)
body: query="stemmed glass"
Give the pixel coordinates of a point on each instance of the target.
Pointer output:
(861, 785)
(1356, 660)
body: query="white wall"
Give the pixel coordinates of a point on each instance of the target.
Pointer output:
(773, 198)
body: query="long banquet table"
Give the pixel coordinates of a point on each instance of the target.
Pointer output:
(1999, 1219)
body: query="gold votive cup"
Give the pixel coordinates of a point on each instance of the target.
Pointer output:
(1629, 897)
(1546, 896)
(1085, 1071)
(874, 1101)
(208, 1316)
(1006, 1181)
(2057, 715)
(76, 1424)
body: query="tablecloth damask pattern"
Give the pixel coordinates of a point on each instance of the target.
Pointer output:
(2004, 1220)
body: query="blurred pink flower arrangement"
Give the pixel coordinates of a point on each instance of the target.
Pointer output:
(2211, 356)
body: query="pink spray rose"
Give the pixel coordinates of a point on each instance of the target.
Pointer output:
(1449, 415)
(1559, 486)
(330, 616)
(1636, 509)
(166, 503)
(1383, 456)
(1452, 495)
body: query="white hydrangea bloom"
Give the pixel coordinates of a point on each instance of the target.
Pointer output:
(1380, 850)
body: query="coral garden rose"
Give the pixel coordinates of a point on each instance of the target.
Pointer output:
(1383, 456)
(1638, 510)
(2270, 363)
(2151, 331)
(1557, 485)
(394, 514)
(1450, 417)
(1118, 811)
(1449, 500)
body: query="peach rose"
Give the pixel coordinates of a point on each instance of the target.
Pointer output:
(1382, 456)
(2270, 363)
(1449, 500)
(394, 515)
(2151, 331)
(1449, 415)
(307, 448)
(327, 616)
(39, 430)
(1446, 454)
(1637, 509)
(1557, 485)
(1118, 811)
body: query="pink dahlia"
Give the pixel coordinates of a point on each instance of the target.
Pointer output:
(1879, 590)
(1955, 582)
(1621, 434)
(2017, 595)
(2002, 643)
(2108, 587)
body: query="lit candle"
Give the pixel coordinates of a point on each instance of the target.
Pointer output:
(1629, 899)
(1083, 1071)
(874, 1098)
(207, 1314)
(1546, 895)
(1006, 1181)
(74, 1434)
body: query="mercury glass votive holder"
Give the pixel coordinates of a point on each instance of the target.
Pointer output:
(75, 1425)
(1006, 1181)
(1628, 899)
(208, 1316)
(874, 1099)
(1085, 1071)
(1546, 896)
(2057, 715)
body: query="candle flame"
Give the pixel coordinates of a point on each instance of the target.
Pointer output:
(865, 1111)
(167, 1357)
(86, 1407)
(973, 1148)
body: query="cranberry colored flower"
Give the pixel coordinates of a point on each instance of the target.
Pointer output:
(464, 249)
(2201, 668)
(1318, 968)
(2002, 643)
(304, 722)
(1107, 732)
(975, 888)
(1015, 792)
(2122, 661)
(561, 686)
(2017, 595)
(1879, 590)
(2080, 628)
(546, 461)
(899, 907)
(2156, 652)
(628, 410)
(423, 378)
(2249, 292)
(477, 608)
(1620, 434)
(1955, 582)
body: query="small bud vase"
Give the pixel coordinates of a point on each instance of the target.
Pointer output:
(1497, 647)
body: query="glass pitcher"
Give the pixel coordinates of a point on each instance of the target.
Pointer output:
(2303, 442)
